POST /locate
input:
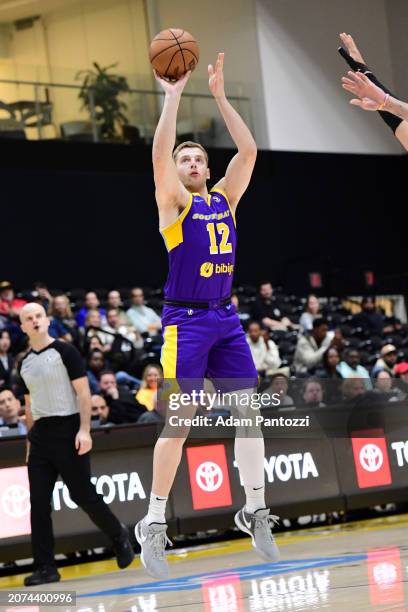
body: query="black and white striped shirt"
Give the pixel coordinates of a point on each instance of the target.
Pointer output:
(47, 376)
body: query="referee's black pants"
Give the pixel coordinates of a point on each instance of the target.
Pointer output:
(53, 453)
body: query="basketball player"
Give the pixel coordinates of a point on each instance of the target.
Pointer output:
(202, 332)
(372, 94)
(58, 413)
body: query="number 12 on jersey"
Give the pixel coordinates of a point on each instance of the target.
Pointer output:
(223, 232)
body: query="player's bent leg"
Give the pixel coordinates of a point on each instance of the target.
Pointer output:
(254, 518)
(150, 532)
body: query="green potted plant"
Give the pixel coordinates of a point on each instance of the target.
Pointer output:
(106, 88)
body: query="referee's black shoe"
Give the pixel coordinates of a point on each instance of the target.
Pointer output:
(42, 575)
(123, 548)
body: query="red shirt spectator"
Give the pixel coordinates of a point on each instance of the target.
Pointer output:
(10, 306)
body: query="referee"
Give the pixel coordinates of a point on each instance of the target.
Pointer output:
(58, 411)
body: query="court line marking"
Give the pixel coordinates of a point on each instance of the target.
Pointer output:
(248, 572)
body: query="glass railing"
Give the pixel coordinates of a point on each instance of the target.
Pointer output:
(41, 111)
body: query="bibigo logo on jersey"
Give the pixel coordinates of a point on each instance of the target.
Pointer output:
(207, 269)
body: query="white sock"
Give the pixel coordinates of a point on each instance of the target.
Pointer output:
(249, 455)
(255, 498)
(157, 509)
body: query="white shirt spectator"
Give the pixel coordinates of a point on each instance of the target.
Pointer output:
(264, 351)
(308, 354)
(141, 317)
(266, 357)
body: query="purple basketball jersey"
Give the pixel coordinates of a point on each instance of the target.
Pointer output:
(201, 245)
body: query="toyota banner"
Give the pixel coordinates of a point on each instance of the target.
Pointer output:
(302, 476)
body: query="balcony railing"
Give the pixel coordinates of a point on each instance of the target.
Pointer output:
(37, 111)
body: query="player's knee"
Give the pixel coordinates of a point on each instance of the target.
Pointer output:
(173, 442)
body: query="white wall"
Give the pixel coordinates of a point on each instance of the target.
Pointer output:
(228, 26)
(397, 18)
(306, 107)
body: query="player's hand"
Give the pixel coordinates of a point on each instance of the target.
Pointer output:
(83, 442)
(172, 87)
(351, 47)
(370, 97)
(216, 77)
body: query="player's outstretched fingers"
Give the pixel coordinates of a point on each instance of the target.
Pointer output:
(221, 60)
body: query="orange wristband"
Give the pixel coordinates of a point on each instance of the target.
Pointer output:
(382, 105)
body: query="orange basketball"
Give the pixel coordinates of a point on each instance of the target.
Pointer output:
(173, 52)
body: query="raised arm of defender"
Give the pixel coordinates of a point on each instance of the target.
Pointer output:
(240, 168)
(171, 195)
(373, 95)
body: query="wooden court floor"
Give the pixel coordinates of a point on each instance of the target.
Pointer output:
(356, 566)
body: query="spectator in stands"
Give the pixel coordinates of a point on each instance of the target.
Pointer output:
(114, 326)
(267, 311)
(372, 321)
(313, 394)
(330, 376)
(101, 414)
(369, 319)
(95, 365)
(143, 318)
(350, 367)
(114, 300)
(99, 407)
(311, 347)
(93, 327)
(63, 324)
(330, 361)
(125, 345)
(91, 303)
(44, 296)
(387, 361)
(6, 360)
(147, 394)
(352, 388)
(90, 344)
(243, 316)
(122, 404)
(312, 311)
(264, 351)
(279, 384)
(10, 306)
(9, 409)
(384, 383)
(401, 371)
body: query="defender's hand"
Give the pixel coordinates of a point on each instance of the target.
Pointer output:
(83, 442)
(172, 87)
(370, 97)
(216, 77)
(351, 47)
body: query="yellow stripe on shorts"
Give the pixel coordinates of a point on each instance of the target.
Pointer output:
(169, 352)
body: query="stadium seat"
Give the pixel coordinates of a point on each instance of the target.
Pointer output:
(10, 128)
(78, 130)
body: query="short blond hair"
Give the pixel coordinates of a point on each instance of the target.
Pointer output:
(189, 144)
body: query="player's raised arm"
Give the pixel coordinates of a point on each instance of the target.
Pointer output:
(170, 192)
(240, 168)
(395, 121)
